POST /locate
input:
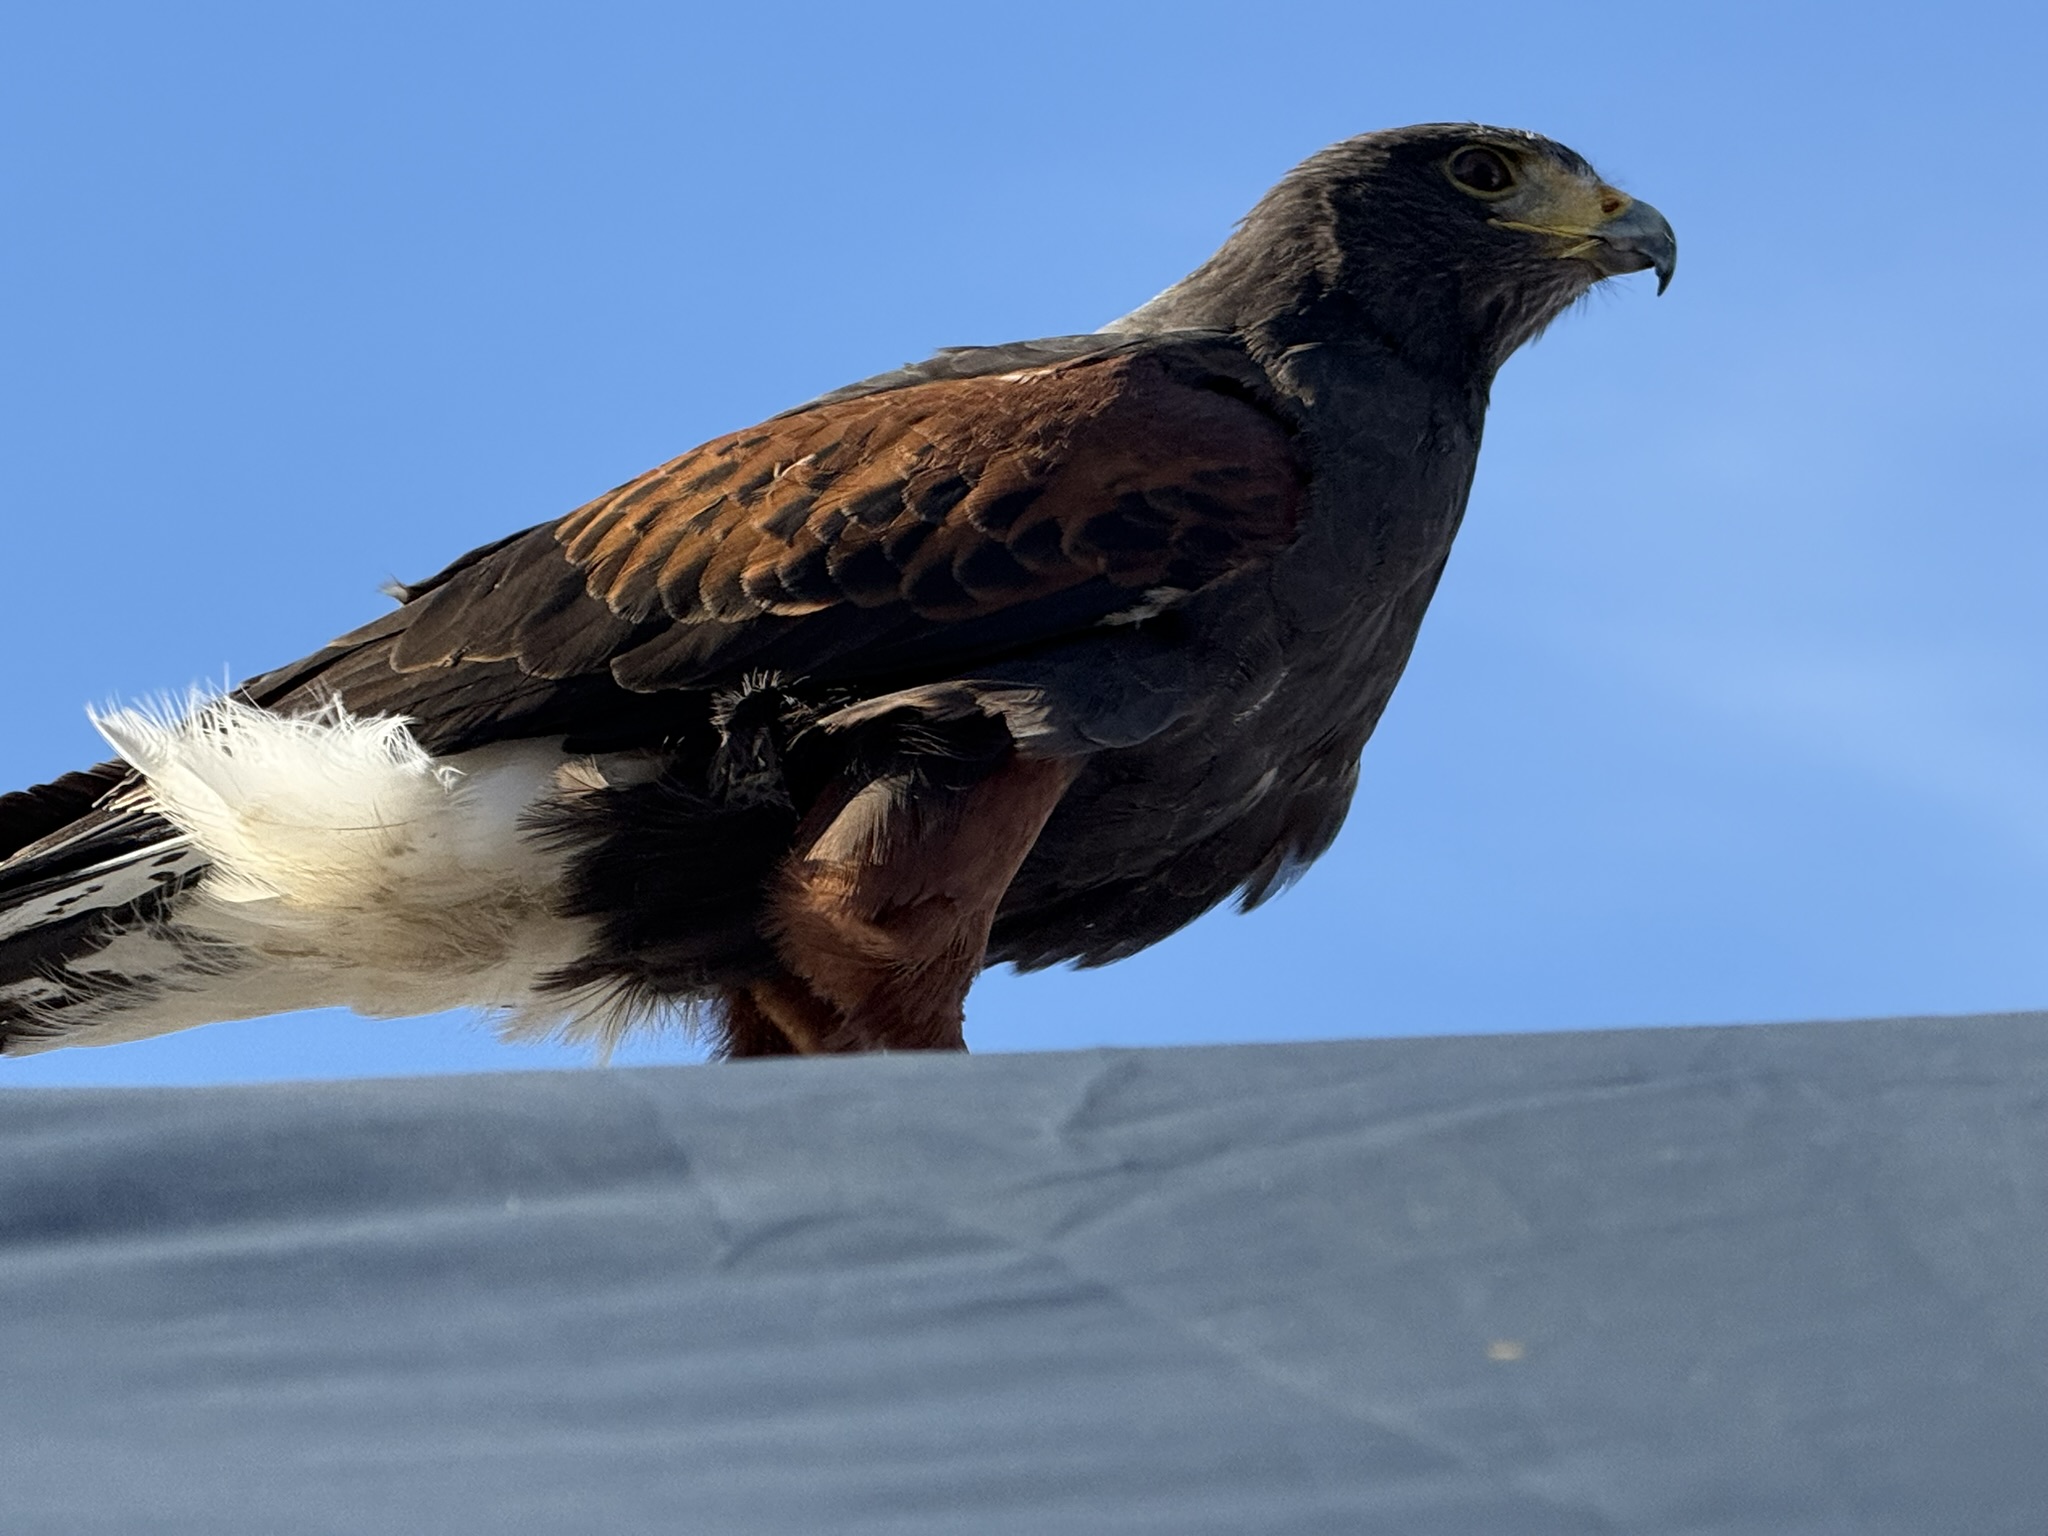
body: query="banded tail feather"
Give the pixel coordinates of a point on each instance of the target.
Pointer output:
(248, 863)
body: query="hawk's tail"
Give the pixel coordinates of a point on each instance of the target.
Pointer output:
(253, 863)
(83, 916)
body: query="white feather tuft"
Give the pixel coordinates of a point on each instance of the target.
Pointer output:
(309, 810)
(349, 866)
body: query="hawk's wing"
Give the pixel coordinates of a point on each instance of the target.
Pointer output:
(891, 532)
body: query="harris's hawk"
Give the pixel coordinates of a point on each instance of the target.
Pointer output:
(1028, 653)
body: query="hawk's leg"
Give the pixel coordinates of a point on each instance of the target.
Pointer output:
(747, 1028)
(881, 914)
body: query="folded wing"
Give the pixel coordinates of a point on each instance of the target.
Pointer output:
(899, 534)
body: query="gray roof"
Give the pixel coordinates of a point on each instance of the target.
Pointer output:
(1770, 1280)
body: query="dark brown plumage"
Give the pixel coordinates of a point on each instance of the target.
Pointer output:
(842, 538)
(1030, 653)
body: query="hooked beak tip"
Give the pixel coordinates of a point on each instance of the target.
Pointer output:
(1640, 238)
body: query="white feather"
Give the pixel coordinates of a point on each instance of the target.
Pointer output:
(349, 867)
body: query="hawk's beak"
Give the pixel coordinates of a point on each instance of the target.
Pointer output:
(1638, 237)
(1633, 238)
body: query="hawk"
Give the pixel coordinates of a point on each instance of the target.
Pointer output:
(1026, 653)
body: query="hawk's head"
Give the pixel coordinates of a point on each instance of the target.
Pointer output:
(1453, 243)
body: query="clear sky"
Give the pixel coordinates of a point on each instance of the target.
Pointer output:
(1731, 706)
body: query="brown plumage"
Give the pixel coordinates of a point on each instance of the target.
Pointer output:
(1030, 652)
(880, 520)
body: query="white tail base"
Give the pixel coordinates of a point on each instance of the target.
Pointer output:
(349, 867)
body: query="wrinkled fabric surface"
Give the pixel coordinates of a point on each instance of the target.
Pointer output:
(1769, 1280)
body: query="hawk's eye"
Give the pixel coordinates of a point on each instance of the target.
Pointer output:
(1481, 170)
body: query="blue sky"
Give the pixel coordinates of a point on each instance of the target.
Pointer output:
(1731, 706)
